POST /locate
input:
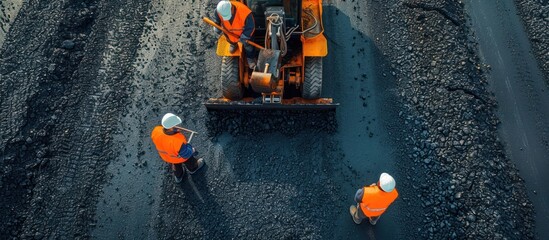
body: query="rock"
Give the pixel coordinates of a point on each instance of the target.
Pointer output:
(471, 218)
(68, 44)
(40, 153)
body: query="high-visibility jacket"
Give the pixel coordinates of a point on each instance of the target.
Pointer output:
(239, 20)
(168, 145)
(375, 201)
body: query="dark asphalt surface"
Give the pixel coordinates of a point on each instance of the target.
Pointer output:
(82, 94)
(356, 82)
(522, 94)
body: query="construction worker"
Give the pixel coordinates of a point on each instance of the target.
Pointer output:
(173, 148)
(237, 18)
(373, 200)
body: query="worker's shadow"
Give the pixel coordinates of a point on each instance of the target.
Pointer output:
(202, 203)
(194, 186)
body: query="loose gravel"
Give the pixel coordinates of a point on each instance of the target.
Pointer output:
(455, 162)
(99, 69)
(535, 15)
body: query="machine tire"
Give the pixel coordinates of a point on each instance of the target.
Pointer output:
(312, 84)
(230, 80)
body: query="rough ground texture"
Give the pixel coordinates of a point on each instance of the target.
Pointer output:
(84, 82)
(8, 12)
(248, 185)
(58, 110)
(468, 186)
(535, 14)
(520, 89)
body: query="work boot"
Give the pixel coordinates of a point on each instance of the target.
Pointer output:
(251, 63)
(232, 48)
(178, 179)
(373, 220)
(354, 213)
(200, 163)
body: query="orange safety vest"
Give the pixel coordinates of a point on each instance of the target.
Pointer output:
(237, 27)
(168, 145)
(375, 201)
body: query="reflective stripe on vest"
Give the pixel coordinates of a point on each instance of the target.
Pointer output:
(375, 201)
(168, 145)
(375, 209)
(239, 21)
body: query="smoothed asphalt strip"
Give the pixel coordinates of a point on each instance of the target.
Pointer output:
(522, 95)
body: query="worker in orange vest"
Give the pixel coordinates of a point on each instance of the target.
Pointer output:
(173, 148)
(373, 200)
(237, 18)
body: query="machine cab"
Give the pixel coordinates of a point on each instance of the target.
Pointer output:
(290, 8)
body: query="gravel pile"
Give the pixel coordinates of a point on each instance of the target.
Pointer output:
(455, 162)
(535, 15)
(287, 122)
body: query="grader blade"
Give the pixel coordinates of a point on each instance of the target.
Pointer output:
(258, 104)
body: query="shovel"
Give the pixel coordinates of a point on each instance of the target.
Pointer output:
(187, 130)
(209, 21)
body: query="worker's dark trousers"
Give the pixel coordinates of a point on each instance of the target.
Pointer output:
(362, 216)
(249, 50)
(359, 212)
(191, 164)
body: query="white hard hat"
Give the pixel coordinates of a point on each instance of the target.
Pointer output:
(170, 120)
(386, 182)
(224, 9)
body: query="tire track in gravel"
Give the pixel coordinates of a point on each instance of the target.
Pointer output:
(21, 69)
(168, 78)
(8, 12)
(83, 150)
(72, 109)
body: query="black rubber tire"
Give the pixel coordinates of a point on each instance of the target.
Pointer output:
(230, 82)
(312, 84)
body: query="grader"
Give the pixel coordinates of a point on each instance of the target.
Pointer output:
(288, 73)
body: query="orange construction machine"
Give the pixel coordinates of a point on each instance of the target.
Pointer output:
(288, 72)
